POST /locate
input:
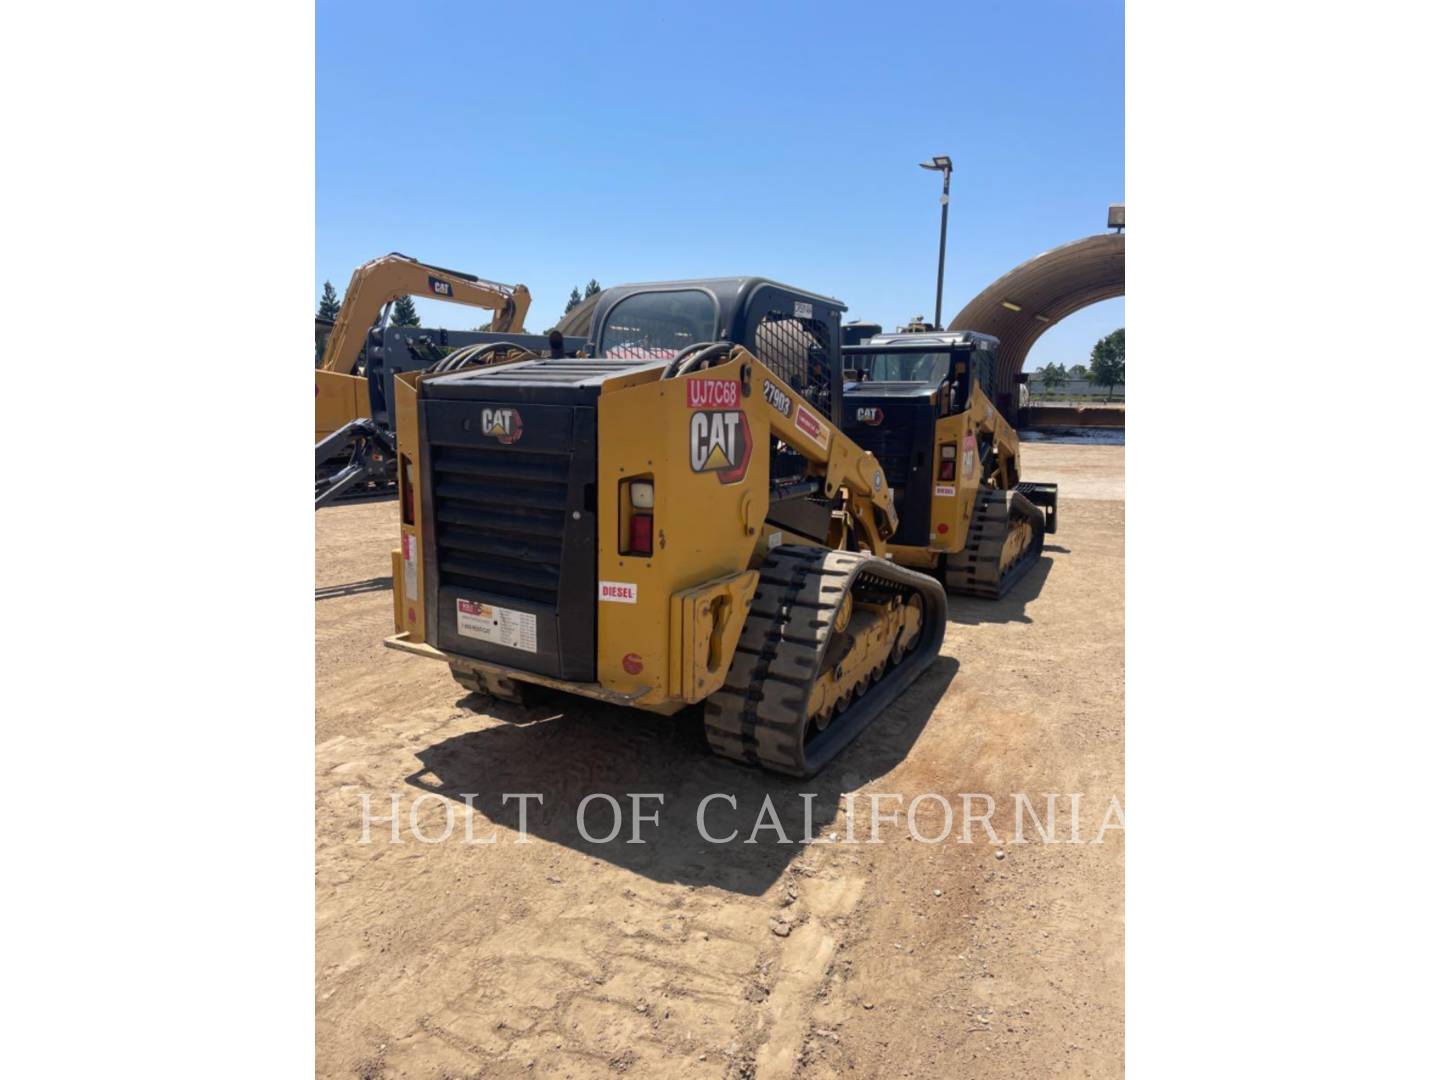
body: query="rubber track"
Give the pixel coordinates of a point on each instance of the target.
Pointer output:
(976, 570)
(760, 715)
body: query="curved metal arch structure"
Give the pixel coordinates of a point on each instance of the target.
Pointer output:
(1020, 306)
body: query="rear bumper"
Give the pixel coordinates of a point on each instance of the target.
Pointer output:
(595, 691)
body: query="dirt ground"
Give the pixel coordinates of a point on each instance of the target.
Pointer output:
(676, 957)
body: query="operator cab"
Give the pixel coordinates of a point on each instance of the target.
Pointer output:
(900, 385)
(796, 334)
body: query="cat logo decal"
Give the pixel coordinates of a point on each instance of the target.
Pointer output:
(720, 443)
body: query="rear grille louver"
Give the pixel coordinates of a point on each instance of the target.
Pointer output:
(500, 519)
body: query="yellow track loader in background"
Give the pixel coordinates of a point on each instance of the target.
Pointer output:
(677, 519)
(920, 402)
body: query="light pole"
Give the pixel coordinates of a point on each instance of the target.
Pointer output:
(941, 163)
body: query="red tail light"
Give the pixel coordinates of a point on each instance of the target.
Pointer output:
(642, 528)
(947, 462)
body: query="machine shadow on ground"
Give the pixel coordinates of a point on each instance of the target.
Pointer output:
(975, 611)
(567, 748)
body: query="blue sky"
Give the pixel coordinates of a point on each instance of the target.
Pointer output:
(551, 143)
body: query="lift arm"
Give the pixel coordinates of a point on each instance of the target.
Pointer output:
(837, 462)
(392, 276)
(1001, 452)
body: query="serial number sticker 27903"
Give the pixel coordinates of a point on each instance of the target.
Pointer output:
(778, 399)
(497, 625)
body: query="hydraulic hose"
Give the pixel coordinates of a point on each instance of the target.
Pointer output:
(694, 357)
(471, 354)
(669, 372)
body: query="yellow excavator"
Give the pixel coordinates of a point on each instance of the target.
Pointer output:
(676, 518)
(346, 436)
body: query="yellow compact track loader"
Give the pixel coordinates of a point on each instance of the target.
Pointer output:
(675, 519)
(918, 402)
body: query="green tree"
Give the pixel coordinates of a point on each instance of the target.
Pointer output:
(404, 313)
(1107, 361)
(329, 304)
(1051, 376)
(573, 302)
(592, 288)
(1079, 371)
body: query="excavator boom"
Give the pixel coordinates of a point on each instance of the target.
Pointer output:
(392, 276)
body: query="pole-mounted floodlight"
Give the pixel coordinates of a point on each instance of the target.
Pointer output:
(941, 163)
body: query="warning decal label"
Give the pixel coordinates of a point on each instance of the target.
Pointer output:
(411, 560)
(497, 625)
(810, 424)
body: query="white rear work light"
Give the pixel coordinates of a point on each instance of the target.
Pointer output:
(642, 495)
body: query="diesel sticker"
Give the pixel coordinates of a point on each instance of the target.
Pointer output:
(712, 394)
(778, 399)
(497, 625)
(810, 424)
(944, 489)
(720, 443)
(619, 592)
(503, 424)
